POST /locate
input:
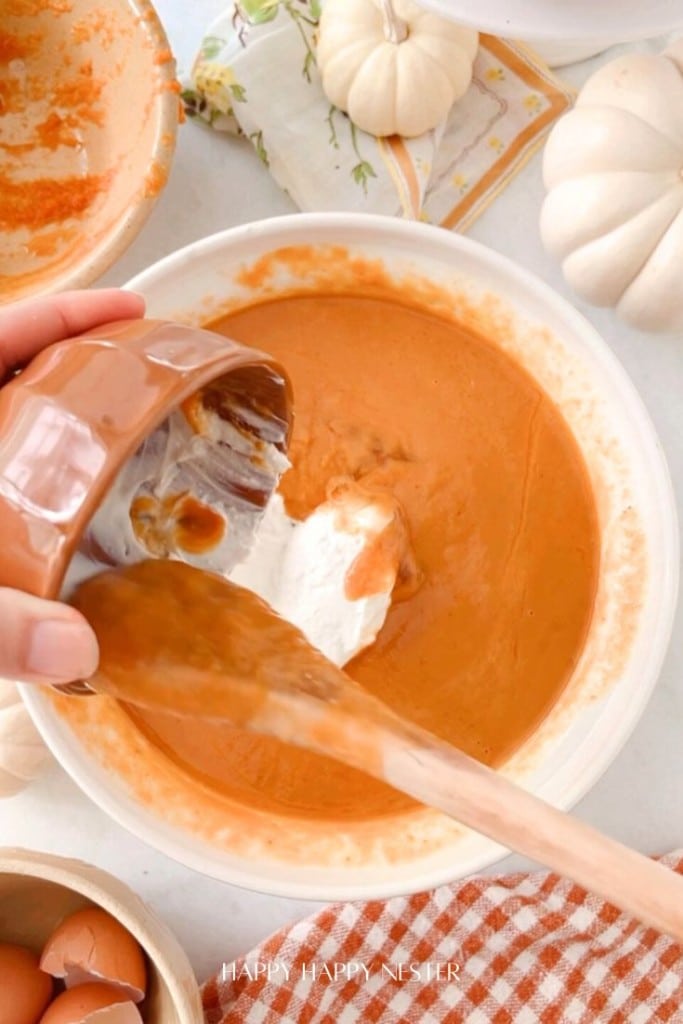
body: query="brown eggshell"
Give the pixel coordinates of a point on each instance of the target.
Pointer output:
(120, 1013)
(94, 1002)
(24, 990)
(92, 946)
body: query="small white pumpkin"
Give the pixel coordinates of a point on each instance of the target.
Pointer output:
(23, 754)
(394, 68)
(614, 168)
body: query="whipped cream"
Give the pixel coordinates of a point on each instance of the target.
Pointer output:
(302, 569)
(332, 575)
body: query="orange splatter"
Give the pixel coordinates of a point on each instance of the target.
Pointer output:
(16, 149)
(80, 94)
(96, 23)
(163, 56)
(11, 97)
(15, 47)
(156, 178)
(35, 203)
(172, 86)
(49, 242)
(24, 8)
(57, 130)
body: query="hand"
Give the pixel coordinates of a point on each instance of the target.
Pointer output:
(45, 641)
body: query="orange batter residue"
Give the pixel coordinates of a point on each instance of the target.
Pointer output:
(70, 100)
(501, 518)
(49, 242)
(79, 99)
(30, 8)
(387, 554)
(94, 24)
(16, 47)
(58, 130)
(81, 94)
(156, 178)
(41, 201)
(178, 522)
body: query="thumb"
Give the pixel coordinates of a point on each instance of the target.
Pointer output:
(43, 641)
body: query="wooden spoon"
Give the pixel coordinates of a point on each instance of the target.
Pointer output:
(179, 640)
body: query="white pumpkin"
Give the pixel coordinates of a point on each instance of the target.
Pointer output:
(23, 754)
(394, 68)
(614, 168)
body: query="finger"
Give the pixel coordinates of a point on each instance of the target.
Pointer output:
(43, 641)
(28, 326)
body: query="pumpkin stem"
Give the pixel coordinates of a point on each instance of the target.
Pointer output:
(395, 28)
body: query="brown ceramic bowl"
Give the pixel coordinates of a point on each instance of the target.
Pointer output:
(71, 419)
(88, 117)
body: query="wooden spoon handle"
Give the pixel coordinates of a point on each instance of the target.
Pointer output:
(359, 730)
(443, 777)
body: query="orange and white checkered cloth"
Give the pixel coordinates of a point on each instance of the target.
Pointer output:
(507, 949)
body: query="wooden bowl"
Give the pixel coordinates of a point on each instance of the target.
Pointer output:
(88, 117)
(37, 890)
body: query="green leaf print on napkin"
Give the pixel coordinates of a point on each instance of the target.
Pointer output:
(211, 47)
(218, 95)
(363, 170)
(257, 12)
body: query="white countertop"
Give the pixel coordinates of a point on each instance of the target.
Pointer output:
(219, 182)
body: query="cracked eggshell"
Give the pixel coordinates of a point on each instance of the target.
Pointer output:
(119, 1013)
(38, 891)
(92, 1004)
(92, 946)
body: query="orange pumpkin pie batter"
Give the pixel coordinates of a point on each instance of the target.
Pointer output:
(501, 518)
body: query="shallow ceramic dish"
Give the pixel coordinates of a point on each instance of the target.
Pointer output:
(637, 587)
(88, 118)
(608, 20)
(37, 890)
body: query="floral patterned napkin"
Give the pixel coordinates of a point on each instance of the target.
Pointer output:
(256, 75)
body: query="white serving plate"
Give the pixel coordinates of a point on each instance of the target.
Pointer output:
(606, 20)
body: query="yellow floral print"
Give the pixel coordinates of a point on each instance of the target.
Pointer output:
(217, 82)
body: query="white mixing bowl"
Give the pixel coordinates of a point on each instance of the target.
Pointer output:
(636, 597)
